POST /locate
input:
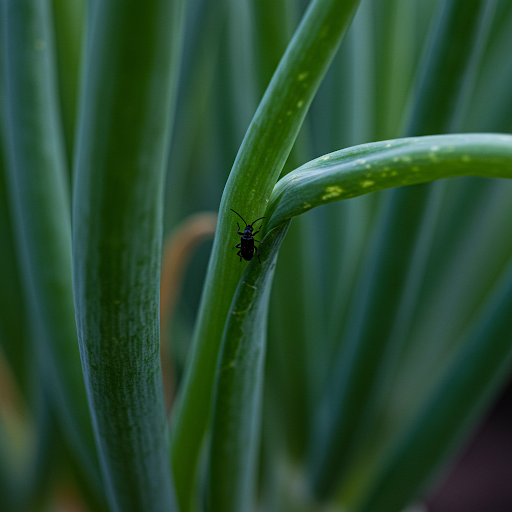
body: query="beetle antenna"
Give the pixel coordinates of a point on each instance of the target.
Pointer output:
(256, 220)
(239, 216)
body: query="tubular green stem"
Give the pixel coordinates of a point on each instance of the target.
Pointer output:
(236, 415)
(261, 157)
(123, 139)
(377, 166)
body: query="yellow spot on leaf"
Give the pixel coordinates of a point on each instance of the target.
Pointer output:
(331, 192)
(367, 183)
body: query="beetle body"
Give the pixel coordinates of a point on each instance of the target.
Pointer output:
(246, 245)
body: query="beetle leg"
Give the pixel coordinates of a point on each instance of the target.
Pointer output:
(258, 253)
(237, 245)
(238, 254)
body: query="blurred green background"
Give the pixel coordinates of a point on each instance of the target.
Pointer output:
(405, 68)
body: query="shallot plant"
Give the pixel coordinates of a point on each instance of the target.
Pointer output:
(344, 375)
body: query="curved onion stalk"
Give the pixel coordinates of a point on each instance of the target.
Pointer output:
(340, 175)
(259, 162)
(379, 165)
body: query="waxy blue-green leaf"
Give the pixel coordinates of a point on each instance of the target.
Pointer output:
(14, 340)
(445, 78)
(131, 66)
(69, 28)
(451, 409)
(394, 270)
(39, 201)
(236, 415)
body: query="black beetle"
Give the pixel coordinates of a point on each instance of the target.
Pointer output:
(246, 244)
